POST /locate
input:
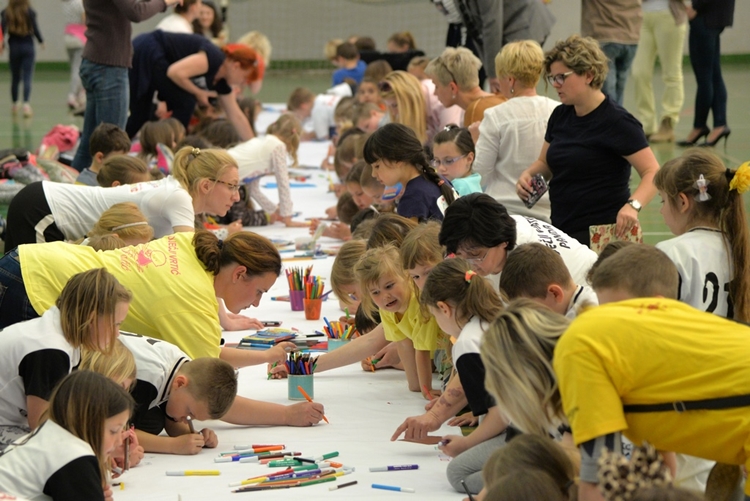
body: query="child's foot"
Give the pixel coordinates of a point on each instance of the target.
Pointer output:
(27, 111)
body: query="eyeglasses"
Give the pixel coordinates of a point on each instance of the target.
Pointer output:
(436, 162)
(559, 79)
(385, 86)
(475, 260)
(234, 188)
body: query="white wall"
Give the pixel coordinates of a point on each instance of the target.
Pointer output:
(299, 28)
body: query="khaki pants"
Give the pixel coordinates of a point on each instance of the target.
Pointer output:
(661, 37)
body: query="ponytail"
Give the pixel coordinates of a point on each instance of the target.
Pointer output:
(254, 252)
(191, 165)
(734, 227)
(454, 282)
(429, 173)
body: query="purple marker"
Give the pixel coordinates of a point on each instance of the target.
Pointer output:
(395, 468)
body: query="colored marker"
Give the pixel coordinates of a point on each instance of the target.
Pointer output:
(126, 448)
(307, 397)
(463, 483)
(341, 486)
(427, 392)
(270, 374)
(190, 424)
(193, 473)
(392, 488)
(395, 468)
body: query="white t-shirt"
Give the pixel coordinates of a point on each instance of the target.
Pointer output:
(175, 23)
(323, 109)
(34, 357)
(577, 257)
(511, 136)
(30, 468)
(705, 269)
(76, 208)
(583, 297)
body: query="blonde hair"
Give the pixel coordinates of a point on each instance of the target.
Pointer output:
(119, 366)
(123, 169)
(125, 220)
(517, 355)
(191, 165)
(421, 246)
(404, 40)
(363, 111)
(287, 128)
(582, 55)
(522, 60)
(639, 270)
(329, 49)
(458, 65)
(212, 381)
(341, 272)
(88, 297)
(105, 242)
(375, 264)
(407, 91)
(258, 42)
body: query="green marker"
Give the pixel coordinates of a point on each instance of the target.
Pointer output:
(375, 361)
(318, 481)
(269, 372)
(346, 310)
(284, 462)
(330, 455)
(305, 467)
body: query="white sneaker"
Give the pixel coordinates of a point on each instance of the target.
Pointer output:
(27, 111)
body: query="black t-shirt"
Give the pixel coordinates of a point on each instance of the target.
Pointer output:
(590, 182)
(471, 368)
(148, 420)
(76, 481)
(178, 46)
(420, 200)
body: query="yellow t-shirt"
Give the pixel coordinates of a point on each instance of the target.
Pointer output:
(649, 351)
(173, 295)
(424, 335)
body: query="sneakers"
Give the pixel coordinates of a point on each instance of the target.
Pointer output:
(27, 111)
(665, 134)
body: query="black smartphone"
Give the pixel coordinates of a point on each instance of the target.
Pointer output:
(271, 323)
(538, 188)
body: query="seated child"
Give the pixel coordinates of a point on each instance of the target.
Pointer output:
(453, 154)
(221, 134)
(368, 93)
(106, 139)
(535, 271)
(317, 112)
(369, 117)
(122, 169)
(66, 458)
(156, 145)
(349, 65)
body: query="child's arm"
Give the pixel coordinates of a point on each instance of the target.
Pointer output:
(254, 412)
(278, 165)
(185, 444)
(35, 407)
(354, 351)
(423, 363)
(408, 357)
(243, 358)
(491, 426)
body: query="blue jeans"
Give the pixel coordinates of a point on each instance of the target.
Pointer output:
(21, 60)
(15, 305)
(620, 58)
(705, 52)
(107, 100)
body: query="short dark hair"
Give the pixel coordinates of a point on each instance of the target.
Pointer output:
(107, 138)
(347, 51)
(477, 220)
(365, 43)
(346, 209)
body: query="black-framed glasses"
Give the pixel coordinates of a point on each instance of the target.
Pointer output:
(234, 188)
(560, 78)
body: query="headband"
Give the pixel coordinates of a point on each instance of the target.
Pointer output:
(129, 225)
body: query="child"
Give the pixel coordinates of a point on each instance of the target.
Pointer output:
(536, 272)
(353, 186)
(396, 156)
(368, 117)
(38, 353)
(417, 66)
(155, 146)
(367, 92)
(346, 209)
(371, 186)
(386, 286)
(453, 153)
(389, 229)
(126, 222)
(263, 156)
(343, 282)
(107, 139)
(405, 101)
(122, 169)
(421, 252)
(703, 206)
(349, 64)
(172, 389)
(402, 41)
(318, 109)
(20, 27)
(221, 134)
(66, 458)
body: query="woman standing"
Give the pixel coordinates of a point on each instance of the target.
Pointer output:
(19, 25)
(708, 18)
(75, 39)
(590, 145)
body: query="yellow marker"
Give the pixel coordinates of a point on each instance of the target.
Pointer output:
(193, 473)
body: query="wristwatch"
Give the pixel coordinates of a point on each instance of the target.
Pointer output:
(635, 204)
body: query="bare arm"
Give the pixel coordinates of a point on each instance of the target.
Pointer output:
(645, 163)
(491, 426)
(35, 406)
(423, 364)
(407, 354)
(523, 187)
(181, 72)
(242, 358)
(255, 412)
(354, 351)
(235, 115)
(179, 441)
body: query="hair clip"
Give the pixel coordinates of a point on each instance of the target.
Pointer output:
(441, 183)
(129, 225)
(469, 274)
(195, 152)
(740, 179)
(220, 243)
(702, 186)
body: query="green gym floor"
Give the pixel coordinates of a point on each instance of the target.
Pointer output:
(50, 89)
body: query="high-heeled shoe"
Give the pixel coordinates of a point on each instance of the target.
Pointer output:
(703, 133)
(725, 134)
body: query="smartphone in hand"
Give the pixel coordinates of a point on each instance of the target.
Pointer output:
(539, 187)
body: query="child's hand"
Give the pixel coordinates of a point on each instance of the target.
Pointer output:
(346, 321)
(210, 440)
(314, 223)
(339, 189)
(234, 227)
(294, 224)
(388, 357)
(465, 419)
(278, 352)
(188, 444)
(277, 371)
(453, 445)
(331, 213)
(340, 231)
(108, 496)
(417, 427)
(304, 414)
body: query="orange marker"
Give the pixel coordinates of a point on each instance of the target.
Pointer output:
(307, 397)
(427, 392)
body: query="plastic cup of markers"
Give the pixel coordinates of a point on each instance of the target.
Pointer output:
(305, 381)
(312, 308)
(296, 299)
(334, 343)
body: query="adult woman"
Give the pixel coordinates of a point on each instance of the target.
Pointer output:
(590, 144)
(210, 24)
(75, 39)
(707, 20)
(168, 63)
(510, 134)
(202, 181)
(175, 282)
(455, 75)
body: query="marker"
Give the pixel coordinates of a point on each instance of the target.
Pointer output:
(193, 473)
(307, 397)
(256, 446)
(392, 488)
(341, 486)
(126, 448)
(190, 424)
(346, 310)
(463, 483)
(270, 374)
(427, 392)
(395, 468)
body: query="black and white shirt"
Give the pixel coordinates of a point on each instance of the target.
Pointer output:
(583, 297)
(157, 363)
(470, 367)
(51, 463)
(34, 357)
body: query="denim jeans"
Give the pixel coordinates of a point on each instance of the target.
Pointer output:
(620, 58)
(21, 66)
(15, 305)
(107, 100)
(705, 52)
